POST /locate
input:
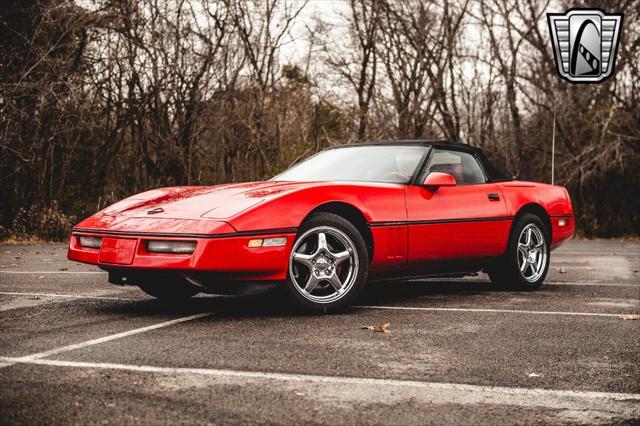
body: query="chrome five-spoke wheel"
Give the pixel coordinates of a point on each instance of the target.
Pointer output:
(532, 253)
(323, 264)
(525, 262)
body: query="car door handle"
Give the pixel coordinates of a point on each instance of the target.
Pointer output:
(493, 197)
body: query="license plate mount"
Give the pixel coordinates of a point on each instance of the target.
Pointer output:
(118, 250)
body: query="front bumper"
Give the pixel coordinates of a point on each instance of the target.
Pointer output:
(227, 257)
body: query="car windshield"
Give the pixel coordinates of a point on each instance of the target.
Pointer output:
(391, 163)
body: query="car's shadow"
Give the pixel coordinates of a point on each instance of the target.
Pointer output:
(418, 288)
(277, 304)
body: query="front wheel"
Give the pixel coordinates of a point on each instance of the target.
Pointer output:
(526, 262)
(328, 264)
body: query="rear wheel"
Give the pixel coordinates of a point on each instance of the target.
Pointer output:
(169, 290)
(328, 264)
(526, 262)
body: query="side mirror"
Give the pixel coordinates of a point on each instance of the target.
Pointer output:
(438, 179)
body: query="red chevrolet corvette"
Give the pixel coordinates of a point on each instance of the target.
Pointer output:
(326, 226)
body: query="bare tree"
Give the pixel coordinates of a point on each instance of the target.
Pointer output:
(419, 51)
(262, 27)
(359, 65)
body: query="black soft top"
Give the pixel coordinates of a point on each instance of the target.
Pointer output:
(493, 173)
(438, 143)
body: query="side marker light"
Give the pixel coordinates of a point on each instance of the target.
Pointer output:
(268, 242)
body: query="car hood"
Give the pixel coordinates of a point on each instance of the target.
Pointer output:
(198, 202)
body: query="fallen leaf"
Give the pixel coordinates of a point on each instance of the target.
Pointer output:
(62, 269)
(629, 317)
(41, 277)
(384, 328)
(563, 270)
(368, 327)
(535, 375)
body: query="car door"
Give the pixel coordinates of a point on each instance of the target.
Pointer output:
(465, 222)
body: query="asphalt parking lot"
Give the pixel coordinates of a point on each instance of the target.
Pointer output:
(75, 349)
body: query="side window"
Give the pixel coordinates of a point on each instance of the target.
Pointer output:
(461, 165)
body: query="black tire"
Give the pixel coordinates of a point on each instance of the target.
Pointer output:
(505, 272)
(170, 290)
(358, 266)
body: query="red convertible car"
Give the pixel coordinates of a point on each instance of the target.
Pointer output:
(326, 226)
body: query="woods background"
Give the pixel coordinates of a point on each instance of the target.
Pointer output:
(103, 99)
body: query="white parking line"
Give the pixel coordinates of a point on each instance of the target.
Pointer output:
(106, 338)
(629, 253)
(604, 252)
(66, 296)
(399, 308)
(591, 268)
(118, 299)
(553, 283)
(53, 272)
(593, 284)
(499, 311)
(443, 393)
